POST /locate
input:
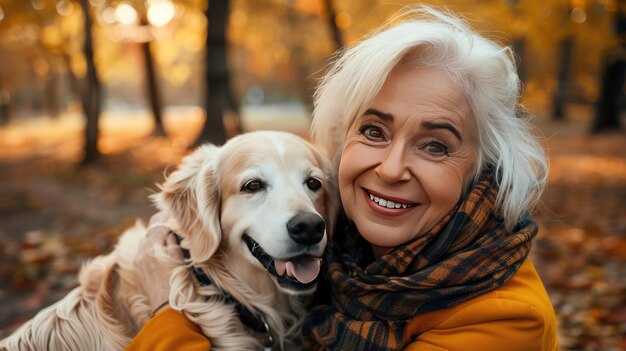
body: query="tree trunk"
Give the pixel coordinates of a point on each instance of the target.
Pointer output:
(5, 99)
(332, 23)
(90, 94)
(519, 47)
(567, 46)
(153, 91)
(52, 97)
(608, 108)
(304, 85)
(217, 82)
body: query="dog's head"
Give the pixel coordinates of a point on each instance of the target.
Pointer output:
(268, 196)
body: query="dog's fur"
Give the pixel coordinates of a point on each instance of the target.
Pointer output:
(210, 208)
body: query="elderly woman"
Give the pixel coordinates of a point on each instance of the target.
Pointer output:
(438, 175)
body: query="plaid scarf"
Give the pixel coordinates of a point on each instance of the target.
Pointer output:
(469, 252)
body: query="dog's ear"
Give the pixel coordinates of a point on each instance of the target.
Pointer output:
(331, 195)
(191, 195)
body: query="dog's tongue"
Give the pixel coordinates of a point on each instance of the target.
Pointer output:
(305, 270)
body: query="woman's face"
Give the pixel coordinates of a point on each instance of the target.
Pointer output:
(406, 160)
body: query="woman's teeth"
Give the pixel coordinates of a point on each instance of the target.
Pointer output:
(388, 203)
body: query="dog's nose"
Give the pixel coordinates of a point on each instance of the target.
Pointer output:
(306, 228)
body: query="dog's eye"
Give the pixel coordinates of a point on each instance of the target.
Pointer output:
(252, 186)
(314, 184)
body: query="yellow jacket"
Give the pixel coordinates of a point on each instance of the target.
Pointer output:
(169, 330)
(517, 316)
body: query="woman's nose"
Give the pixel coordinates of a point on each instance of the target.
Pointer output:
(393, 167)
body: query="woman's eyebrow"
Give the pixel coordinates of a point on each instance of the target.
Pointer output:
(382, 115)
(431, 125)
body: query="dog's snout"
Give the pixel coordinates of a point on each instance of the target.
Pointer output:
(306, 228)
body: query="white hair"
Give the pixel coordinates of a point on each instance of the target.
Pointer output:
(485, 71)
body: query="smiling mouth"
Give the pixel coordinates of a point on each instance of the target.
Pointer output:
(385, 203)
(298, 273)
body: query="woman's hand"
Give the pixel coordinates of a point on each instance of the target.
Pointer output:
(153, 262)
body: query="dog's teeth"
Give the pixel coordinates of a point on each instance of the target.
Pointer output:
(279, 265)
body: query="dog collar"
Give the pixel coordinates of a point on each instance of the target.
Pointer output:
(251, 319)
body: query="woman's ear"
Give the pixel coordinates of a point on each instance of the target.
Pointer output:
(191, 196)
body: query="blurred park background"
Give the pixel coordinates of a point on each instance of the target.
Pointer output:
(98, 98)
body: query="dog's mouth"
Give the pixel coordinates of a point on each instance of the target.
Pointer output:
(295, 273)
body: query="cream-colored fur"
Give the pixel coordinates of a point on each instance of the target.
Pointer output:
(210, 210)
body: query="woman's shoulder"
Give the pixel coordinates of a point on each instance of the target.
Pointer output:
(517, 313)
(524, 287)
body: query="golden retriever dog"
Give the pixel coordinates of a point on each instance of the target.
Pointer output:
(253, 217)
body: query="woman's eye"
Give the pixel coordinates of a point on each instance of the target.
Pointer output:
(436, 148)
(252, 186)
(313, 184)
(372, 132)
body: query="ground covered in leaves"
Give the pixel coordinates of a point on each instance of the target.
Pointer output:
(54, 215)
